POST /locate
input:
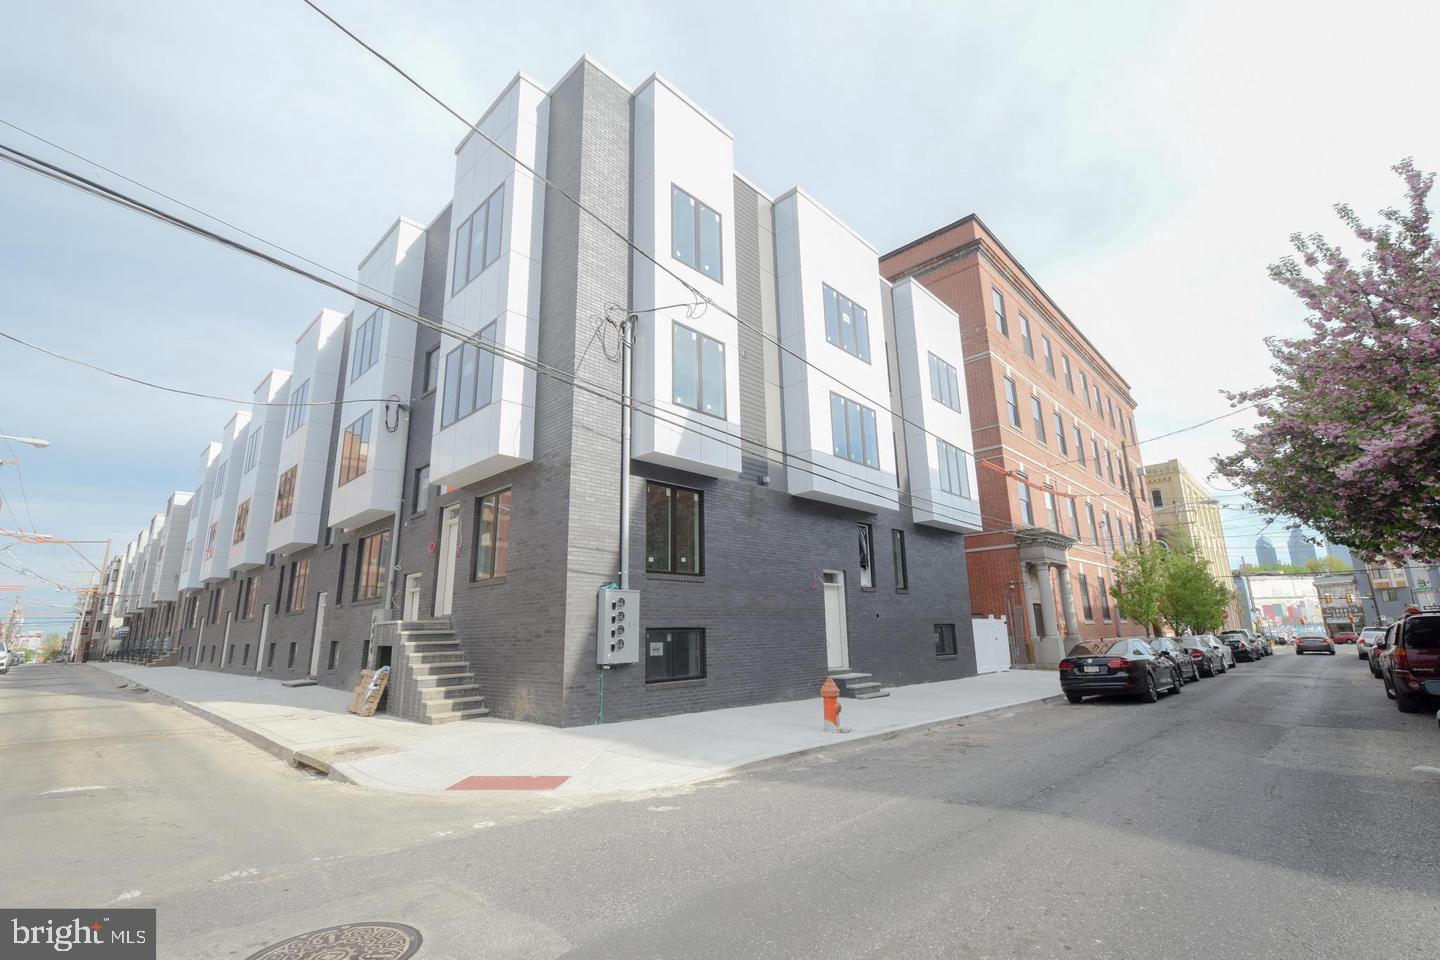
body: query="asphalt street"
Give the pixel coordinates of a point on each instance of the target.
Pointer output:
(1274, 812)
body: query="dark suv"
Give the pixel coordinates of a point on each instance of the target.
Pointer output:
(1410, 664)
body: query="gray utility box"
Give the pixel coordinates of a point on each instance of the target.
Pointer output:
(618, 614)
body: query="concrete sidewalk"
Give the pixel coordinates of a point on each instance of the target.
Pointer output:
(310, 725)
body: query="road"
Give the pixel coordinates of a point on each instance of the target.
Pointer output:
(1275, 812)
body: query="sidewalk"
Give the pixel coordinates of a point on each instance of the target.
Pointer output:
(310, 725)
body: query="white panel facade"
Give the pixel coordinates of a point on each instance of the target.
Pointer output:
(215, 552)
(177, 526)
(943, 485)
(193, 556)
(137, 591)
(379, 367)
(835, 400)
(257, 465)
(485, 410)
(306, 437)
(121, 589)
(154, 546)
(687, 371)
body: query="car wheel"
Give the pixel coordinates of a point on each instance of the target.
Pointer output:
(1374, 673)
(1389, 687)
(1073, 697)
(1406, 702)
(1332, 653)
(1151, 693)
(1179, 682)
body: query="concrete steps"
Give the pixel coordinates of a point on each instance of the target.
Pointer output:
(859, 686)
(441, 675)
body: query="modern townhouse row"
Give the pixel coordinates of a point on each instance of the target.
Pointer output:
(798, 478)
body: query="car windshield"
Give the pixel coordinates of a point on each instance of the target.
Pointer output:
(1096, 648)
(1311, 636)
(1422, 633)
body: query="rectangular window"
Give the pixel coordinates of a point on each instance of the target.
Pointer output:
(1085, 607)
(477, 241)
(1074, 518)
(210, 540)
(220, 480)
(847, 324)
(1069, 377)
(698, 371)
(1109, 466)
(1000, 323)
(370, 565)
(296, 416)
(1011, 402)
(1094, 531)
(674, 530)
(1110, 409)
(1104, 599)
(853, 431)
(230, 656)
(219, 606)
(954, 477)
(420, 491)
(365, 351)
(674, 655)
(355, 450)
(242, 522)
(1027, 512)
(867, 556)
(1039, 419)
(1048, 353)
(897, 549)
(1095, 454)
(432, 369)
(252, 449)
(492, 535)
(1085, 388)
(1109, 531)
(469, 378)
(695, 234)
(1079, 446)
(944, 383)
(1051, 512)
(252, 599)
(299, 584)
(334, 654)
(1060, 433)
(945, 645)
(1098, 407)
(290, 659)
(340, 581)
(285, 494)
(1156, 500)
(1026, 340)
(270, 656)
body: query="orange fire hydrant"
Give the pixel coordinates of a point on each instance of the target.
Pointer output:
(830, 698)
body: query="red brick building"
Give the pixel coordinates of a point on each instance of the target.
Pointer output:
(1054, 436)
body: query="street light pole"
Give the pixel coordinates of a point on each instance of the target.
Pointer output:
(32, 441)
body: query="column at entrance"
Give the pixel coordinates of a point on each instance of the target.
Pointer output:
(1067, 605)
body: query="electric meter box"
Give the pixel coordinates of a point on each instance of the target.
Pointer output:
(618, 613)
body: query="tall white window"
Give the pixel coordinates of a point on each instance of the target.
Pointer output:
(1069, 377)
(698, 371)
(1011, 403)
(944, 383)
(695, 234)
(1048, 353)
(355, 450)
(954, 477)
(1060, 433)
(847, 324)
(1074, 517)
(852, 430)
(296, 416)
(1000, 322)
(1027, 512)
(1039, 417)
(1026, 341)
(477, 241)
(469, 379)
(365, 351)
(252, 449)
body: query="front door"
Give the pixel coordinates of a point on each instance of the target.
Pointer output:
(837, 642)
(449, 549)
(412, 597)
(317, 643)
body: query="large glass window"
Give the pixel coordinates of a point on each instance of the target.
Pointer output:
(847, 324)
(944, 383)
(355, 450)
(1074, 518)
(1095, 454)
(242, 522)
(1060, 433)
(674, 530)
(285, 494)
(1085, 607)
(672, 654)
(1026, 340)
(1000, 322)
(477, 241)
(954, 477)
(1022, 489)
(1050, 512)
(1038, 416)
(1109, 466)
(852, 430)
(1094, 530)
(492, 535)
(420, 491)
(469, 379)
(252, 449)
(1069, 377)
(1085, 388)
(698, 371)
(370, 563)
(1157, 500)
(945, 645)
(365, 351)
(299, 583)
(1012, 403)
(1079, 445)
(1104, 598)
(1048, 353)
(695, 234)
(296, 416)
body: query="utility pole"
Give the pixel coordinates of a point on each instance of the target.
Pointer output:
(627, 327)
(83, 651)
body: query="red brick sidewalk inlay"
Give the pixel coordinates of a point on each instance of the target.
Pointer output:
(508, 783)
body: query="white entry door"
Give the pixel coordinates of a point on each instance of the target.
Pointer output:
(449, 551)
(412, 597)
(837, 642)
(318, 642)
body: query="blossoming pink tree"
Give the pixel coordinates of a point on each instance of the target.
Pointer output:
(1349, 438)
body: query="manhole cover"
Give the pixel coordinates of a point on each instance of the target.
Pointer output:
(349, 941)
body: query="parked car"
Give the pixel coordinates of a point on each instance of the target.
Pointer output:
(1344, 637)
(4, 658)
(1368, 636)
(1241, 646)
(1379, 647)
(1258, 647)
(1208, 661)
(1127, 666)
(1314, 643)
(1411, 666)
(1277, 639)
(1227, 656)
(1169, 649)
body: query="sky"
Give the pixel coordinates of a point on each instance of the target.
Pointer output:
(1145, 161)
